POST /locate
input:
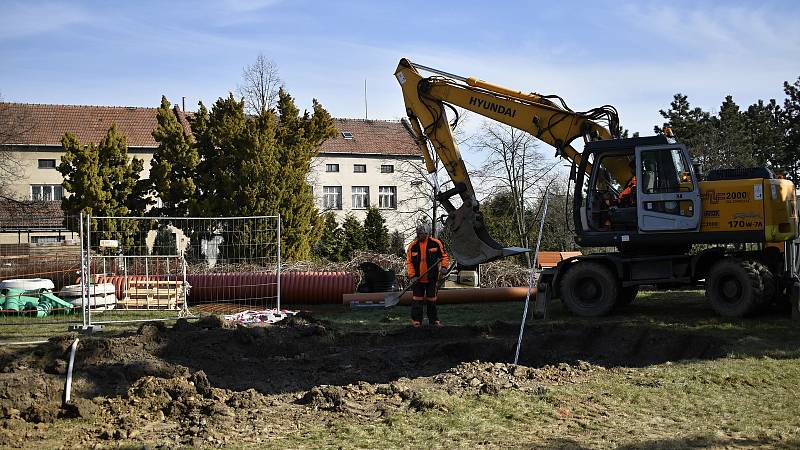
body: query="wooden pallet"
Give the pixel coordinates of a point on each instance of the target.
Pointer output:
(153, 294)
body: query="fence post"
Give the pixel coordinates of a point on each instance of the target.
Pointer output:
(185, 286)
(278, 272)
(87, 309)
(84, 289)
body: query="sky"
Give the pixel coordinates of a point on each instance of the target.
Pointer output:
(631, 54)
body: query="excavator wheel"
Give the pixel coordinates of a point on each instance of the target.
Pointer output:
(626, 296)
(734, 287)
(589, 289)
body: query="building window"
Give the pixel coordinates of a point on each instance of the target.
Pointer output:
(47, 192)
(360, 197)
(332, 197)
(416, 183)
(331, 167)
(359, 168)
(387, 168)
(387, 197)
(46, 239)
(347, 135)
(47, 163)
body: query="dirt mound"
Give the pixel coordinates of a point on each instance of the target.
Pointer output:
(491, 378)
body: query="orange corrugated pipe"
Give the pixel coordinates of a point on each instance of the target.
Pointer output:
(296, 287)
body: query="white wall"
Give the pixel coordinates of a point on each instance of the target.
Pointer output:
(30, 173)
(403, 217)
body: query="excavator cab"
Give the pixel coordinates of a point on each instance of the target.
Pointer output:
(630, 192)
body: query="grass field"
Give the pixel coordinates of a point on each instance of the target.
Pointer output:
(33, 329)
(748, 398)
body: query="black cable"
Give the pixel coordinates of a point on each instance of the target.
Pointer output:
(454, 123)
(567, 208)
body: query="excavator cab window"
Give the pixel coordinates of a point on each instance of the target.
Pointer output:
(665, 171)
(612, 194)
(669, 198)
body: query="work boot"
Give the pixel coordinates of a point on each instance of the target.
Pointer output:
(415, 323)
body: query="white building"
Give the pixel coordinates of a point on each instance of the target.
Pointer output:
(31, 135)
(368, 162)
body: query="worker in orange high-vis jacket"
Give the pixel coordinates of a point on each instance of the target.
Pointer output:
(627, 197)
(422, 255)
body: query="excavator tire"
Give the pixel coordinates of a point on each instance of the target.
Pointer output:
(734, 287)
(589, 289)
(626, 296)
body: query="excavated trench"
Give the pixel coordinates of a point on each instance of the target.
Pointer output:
(304, 353)
(201, 380)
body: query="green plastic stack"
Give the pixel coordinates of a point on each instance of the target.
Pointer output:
(36, 303)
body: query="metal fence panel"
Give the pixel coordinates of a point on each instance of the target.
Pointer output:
(89, 270)
(170, 267)
(39, 257)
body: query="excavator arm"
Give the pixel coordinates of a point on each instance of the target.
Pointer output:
(426, 100)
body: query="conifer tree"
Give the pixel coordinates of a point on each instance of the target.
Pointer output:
(298, 138)
(766, 132)
(376, 235)
(734, 142)
(352, 236)
(790, 118)
(329, 244)
(102, 181)
(80, 167)
(222, 143)
(119, 174)
(259, 166)
(694, 128)
(397, 245)
(174, 164)
(165, 242)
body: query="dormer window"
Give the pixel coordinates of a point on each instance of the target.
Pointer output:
(347, 135)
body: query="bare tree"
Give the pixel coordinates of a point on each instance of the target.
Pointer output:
(260, 85)
(558, 233)
(14, 125)
(422, 205)
(514, 165)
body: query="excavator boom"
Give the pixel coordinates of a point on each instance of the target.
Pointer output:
(426, 100)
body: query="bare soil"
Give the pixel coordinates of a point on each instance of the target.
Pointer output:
(207, 384)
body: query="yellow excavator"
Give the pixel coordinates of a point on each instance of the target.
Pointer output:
(642, 196)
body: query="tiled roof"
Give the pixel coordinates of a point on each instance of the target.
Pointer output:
(371, 137)
(30, 215)
(46, 124)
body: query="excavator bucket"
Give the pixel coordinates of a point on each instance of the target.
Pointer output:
(471, 244)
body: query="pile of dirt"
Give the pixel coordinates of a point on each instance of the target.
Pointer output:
(490, 378)
(188, 408)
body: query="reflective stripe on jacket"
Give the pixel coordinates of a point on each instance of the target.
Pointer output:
(433, 252)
